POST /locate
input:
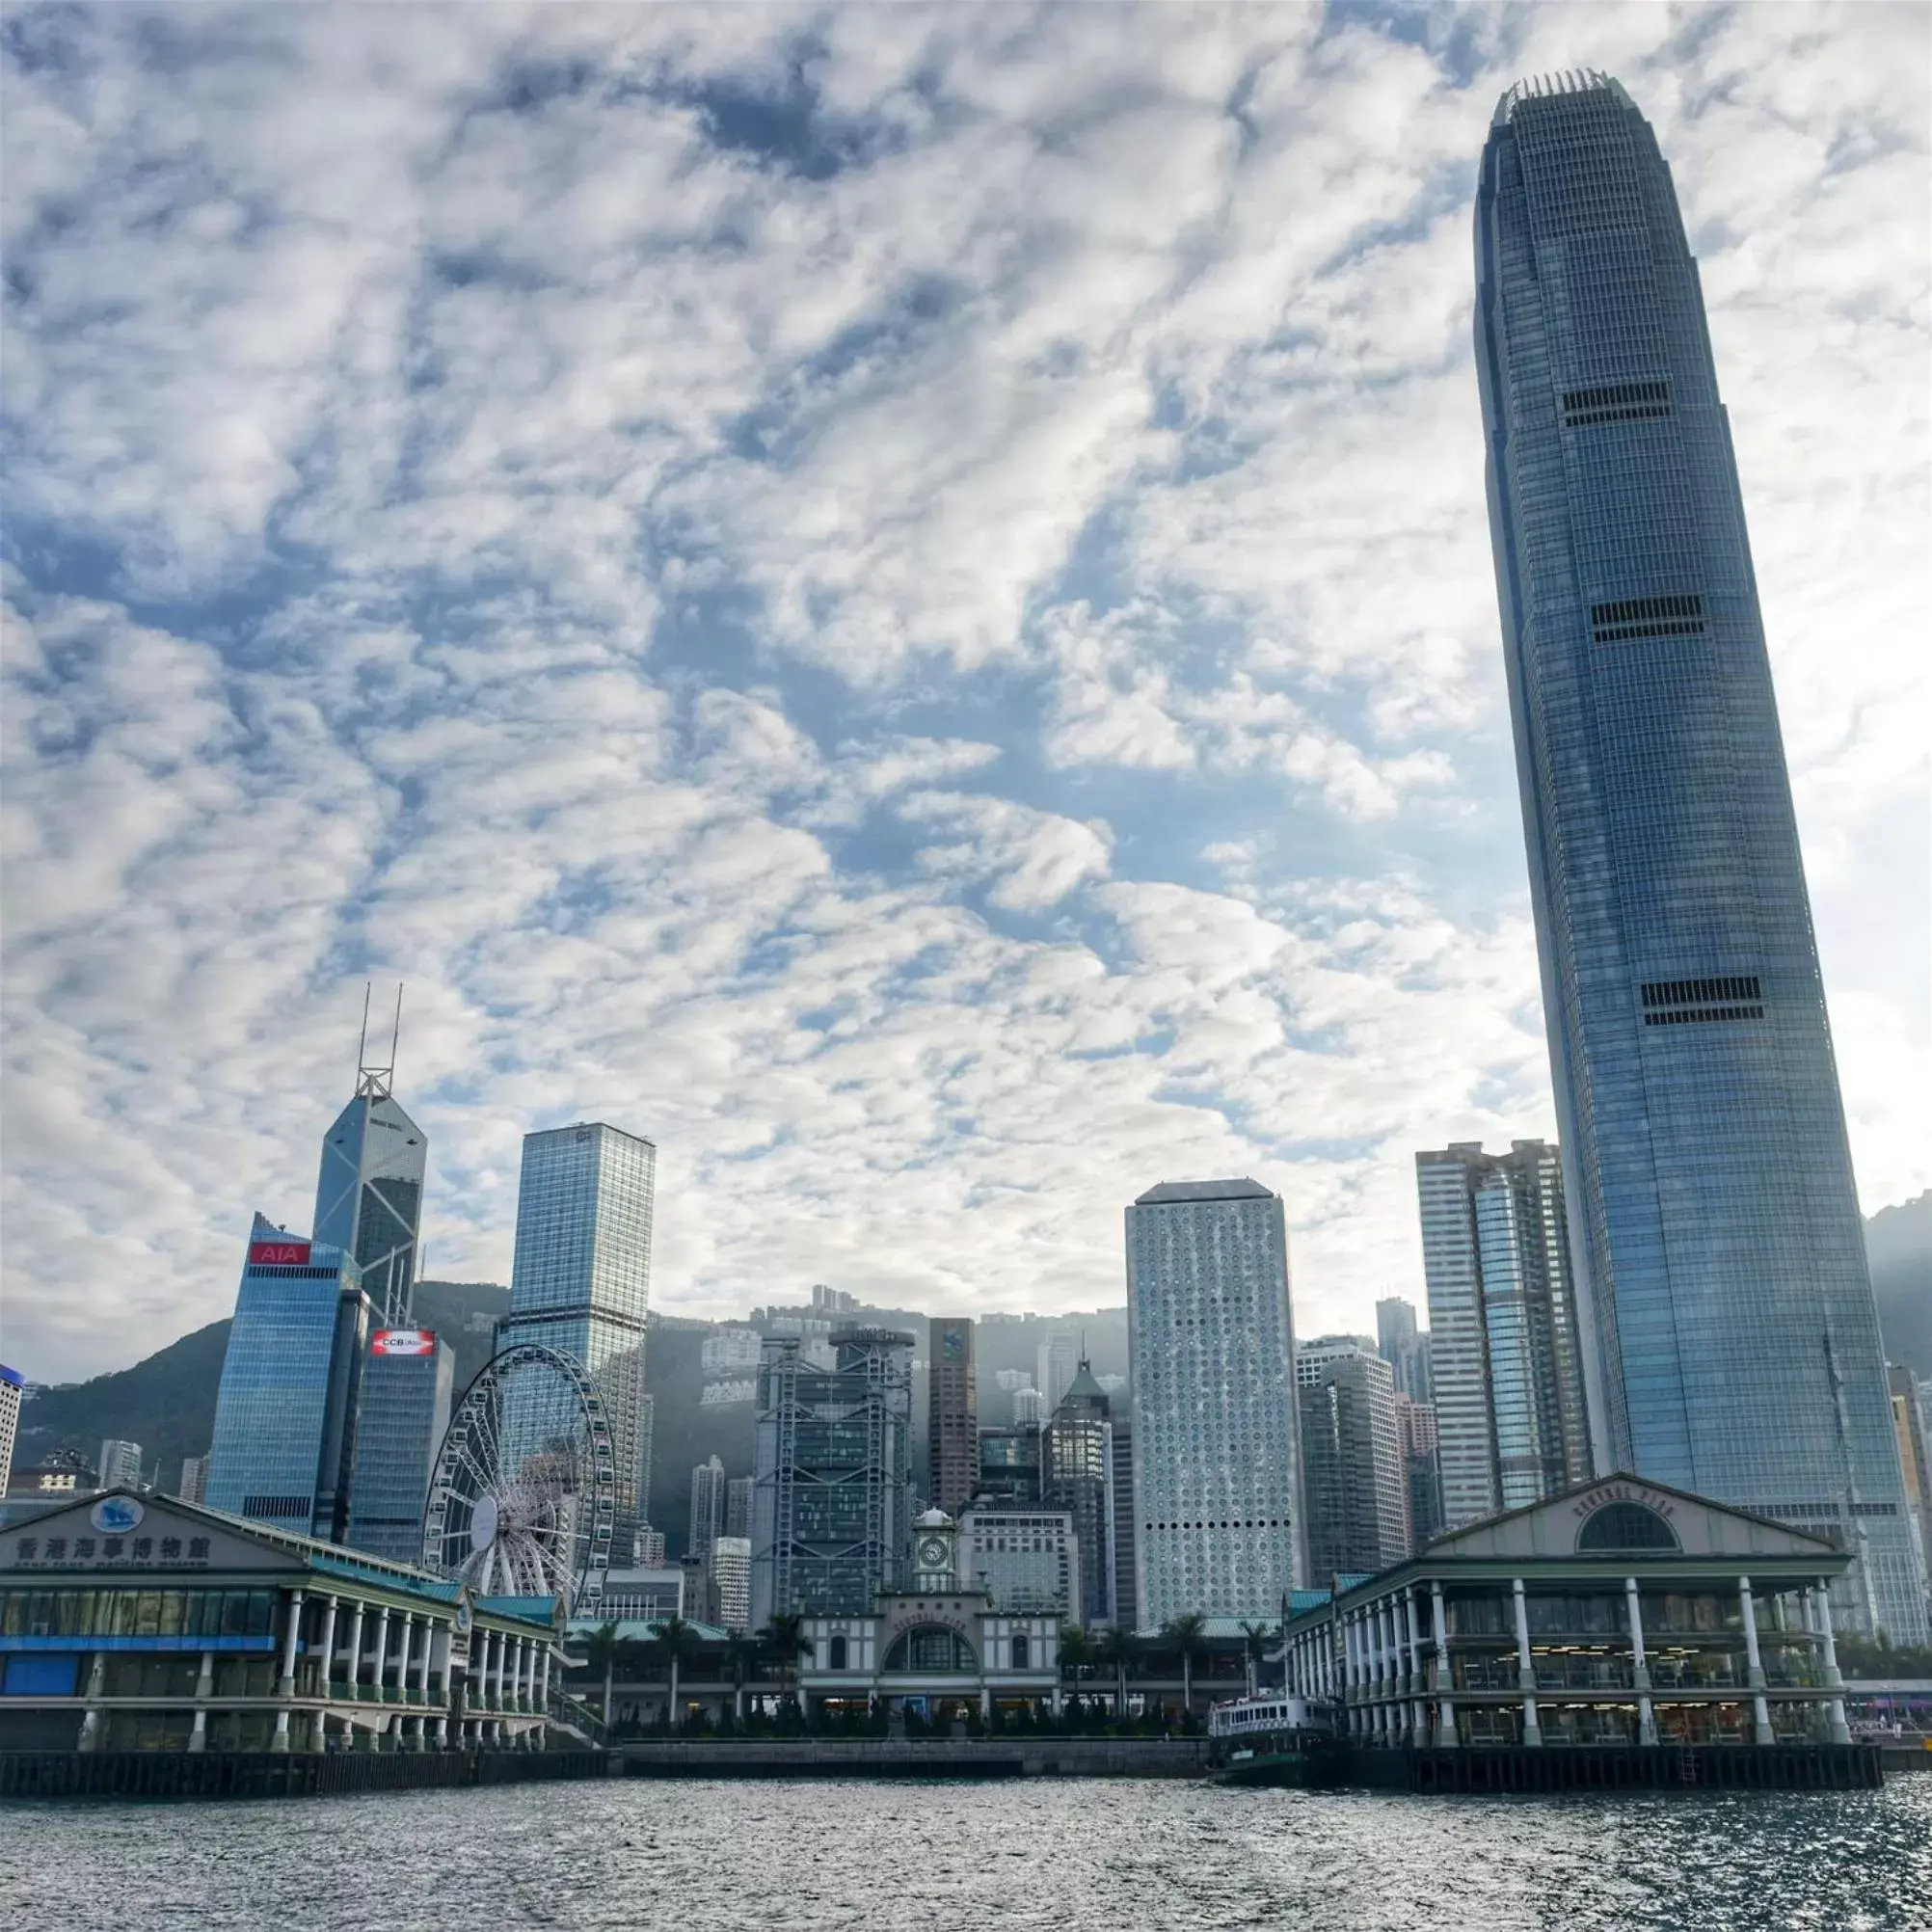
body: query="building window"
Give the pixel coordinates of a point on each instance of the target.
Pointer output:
(931, 1647)
(834, 1654)
(1020, 1653)
(1626, 1526)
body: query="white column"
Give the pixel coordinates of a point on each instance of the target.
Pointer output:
(382, 1658)
(1418, 1719)
(1525, 1669)
(1753, 1674)
(1445, 1682)
(1821, 1599)
(204, 1689)
(1640, 1668)
(354, 1649)
(1379, 1638)
(328, 1644)
(291, 1637)
(422, 1662)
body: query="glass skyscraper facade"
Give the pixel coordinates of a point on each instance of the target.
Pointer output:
(1732, 1344)
(831, 1503)
(580, 1284)
(1217, 1510)
(286, 1412)
(401, 1418)
(1511, 1415)
(368, 1195)
(1355, 1482)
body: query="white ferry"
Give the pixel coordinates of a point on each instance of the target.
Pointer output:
(1270, 1738)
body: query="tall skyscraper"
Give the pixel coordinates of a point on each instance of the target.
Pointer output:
(708, 1506)
(12, 1382)
(1509, 1385)
(952, 1412)
(1216, 1508)
(1024, 1559)
(1404, 1347)
(193, 1485)
(284, 1415)
(1354, 1482)
(1416, 1429)
(581, 1279)
(119, 1464)
(1077, 1476)
(1720, 1266)
(368, 1193)
(1057, 1360)
(1030, 1408)
(731, 1581)
(737, 1506)
(832, 1500)
(1126, 1599)
(401, 1418)
(1010, 1464)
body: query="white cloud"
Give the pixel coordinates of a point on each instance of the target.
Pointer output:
(486, 508)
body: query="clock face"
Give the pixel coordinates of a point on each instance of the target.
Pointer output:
(933, 1552)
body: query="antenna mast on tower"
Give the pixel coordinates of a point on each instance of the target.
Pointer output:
(376, 1080)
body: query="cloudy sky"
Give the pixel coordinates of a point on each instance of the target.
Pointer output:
(895, 599)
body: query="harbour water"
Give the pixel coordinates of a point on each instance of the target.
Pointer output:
(1079, 1855)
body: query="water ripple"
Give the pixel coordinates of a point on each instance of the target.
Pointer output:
(1083, 1856)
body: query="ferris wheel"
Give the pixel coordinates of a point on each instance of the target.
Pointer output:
(524, 1500)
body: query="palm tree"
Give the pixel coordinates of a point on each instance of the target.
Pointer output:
(676, 1639)
(1118, 1647)
(1254, 1641)
(741, 1648)
(601, 1646)
(782, 1638)
(1075, 1652)
(1183, 1632)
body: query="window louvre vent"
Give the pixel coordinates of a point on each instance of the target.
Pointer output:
(1615, 402)
(1645, 617)
(1676, 1002)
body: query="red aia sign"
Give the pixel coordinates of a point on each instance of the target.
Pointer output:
(277, 1255)
(403, 1342)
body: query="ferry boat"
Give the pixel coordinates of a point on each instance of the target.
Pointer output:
(1270, 1738)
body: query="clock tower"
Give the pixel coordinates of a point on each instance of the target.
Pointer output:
(935, 1553)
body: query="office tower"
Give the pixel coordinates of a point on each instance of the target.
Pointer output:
(369, 1192)
(581, 1283)
(708, 1506)
(1509, 1386)
(284, 1415)
(1030, 1408)
(731, 1581)
(1721, 1274)
(1010, 1464)
(647, 1437)
(647, 1548)
(120, 1465)
(700, 1599)
(12, 1382)
(1915, 1457)
(832, 1499)
(1403, 1347)
(1126, 1603)
(193, 1485)
(401, 1418)
(644, 1593)
(737, 1506)
(1416, 1431)
(1026, 1560)
(1077, 1476)
(1006, 1380)
(1354, 1486)
(1058, 1358)
(952, 1412)
(1217, 1511)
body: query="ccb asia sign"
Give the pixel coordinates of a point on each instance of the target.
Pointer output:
(403, 1342)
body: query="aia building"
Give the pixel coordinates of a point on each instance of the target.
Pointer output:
(284, 1418)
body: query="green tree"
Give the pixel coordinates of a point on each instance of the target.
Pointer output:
(1184, 1633)
(1254, 1641)
(1118, 1648)
(676, 1640)
(783, 1641)
(1075, 1652)
(742, 1650)
(601, 1650)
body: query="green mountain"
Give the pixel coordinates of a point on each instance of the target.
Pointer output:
(166, 1401)
(1898, 1240)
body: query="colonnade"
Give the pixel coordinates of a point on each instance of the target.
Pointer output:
(1385, 1662)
